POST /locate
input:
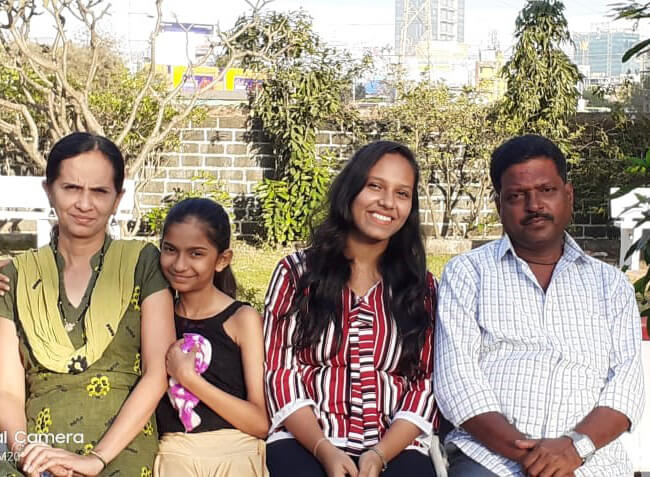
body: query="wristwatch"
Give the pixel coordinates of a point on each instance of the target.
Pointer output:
(583, 444)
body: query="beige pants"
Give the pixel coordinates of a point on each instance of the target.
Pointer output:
(223, 453)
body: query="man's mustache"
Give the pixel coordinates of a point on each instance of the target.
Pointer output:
(529, 218)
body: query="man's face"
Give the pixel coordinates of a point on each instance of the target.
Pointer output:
(535, 205)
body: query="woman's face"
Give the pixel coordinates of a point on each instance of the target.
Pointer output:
(84, 195)
(381, 208)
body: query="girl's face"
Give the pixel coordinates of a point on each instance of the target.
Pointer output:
(187, 257)
(84, 195)
(381, 208)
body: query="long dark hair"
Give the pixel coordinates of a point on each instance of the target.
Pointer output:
(216, 223)
(317, 301)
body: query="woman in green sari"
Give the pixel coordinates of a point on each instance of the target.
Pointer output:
(83, 331)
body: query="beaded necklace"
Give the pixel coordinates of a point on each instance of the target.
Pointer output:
(67, 324)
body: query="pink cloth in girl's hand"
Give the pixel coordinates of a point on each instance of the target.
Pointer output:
(182, 399)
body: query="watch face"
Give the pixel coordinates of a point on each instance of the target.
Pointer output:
(584, 446)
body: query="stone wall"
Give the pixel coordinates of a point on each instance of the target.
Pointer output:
(225, 148)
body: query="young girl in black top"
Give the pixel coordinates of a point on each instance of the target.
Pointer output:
(213, 418)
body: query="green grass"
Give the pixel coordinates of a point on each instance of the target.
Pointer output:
(253, 267)
(435, 264)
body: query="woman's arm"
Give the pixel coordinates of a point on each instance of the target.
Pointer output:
(248, 415)
(157, 333)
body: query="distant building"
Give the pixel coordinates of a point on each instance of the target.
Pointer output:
(419, 21)
(489, 83)
(599, 54)
(429, 41)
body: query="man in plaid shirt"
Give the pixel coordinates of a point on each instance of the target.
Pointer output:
(537, 346)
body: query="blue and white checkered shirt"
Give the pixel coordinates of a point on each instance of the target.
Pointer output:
(543, 360)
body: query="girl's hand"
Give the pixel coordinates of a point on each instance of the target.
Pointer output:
(336, 462)
(180, 365)
(37, 458)
(4, 280)
(370, 464)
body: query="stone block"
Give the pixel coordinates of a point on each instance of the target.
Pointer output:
(170, 187)
(235, 188)
(245, 161)
(210, 123)
(595, 231)
(217, 135)
(191, 161)
(341, 139)
(168, 160)
(232, 122)
(323, 138)
(193, 135)
(16, 241)
(154, 187)
(254, 175)
(189, 148)
(599, 219)
(446, 246)
(219, 161)
(181, 173)
(231, 175)
(238, 149)
(153, 200)
(212, 148)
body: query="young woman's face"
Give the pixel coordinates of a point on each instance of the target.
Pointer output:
(381, 208)
(187, 258)
(83, 195)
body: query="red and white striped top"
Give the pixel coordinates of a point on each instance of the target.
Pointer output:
(358, 392)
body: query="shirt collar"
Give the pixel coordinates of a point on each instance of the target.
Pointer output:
(572, 251)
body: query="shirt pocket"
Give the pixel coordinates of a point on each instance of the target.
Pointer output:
(506, 320)
(578, 321)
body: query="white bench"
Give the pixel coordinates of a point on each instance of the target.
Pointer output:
(23, 198)
(626, 211)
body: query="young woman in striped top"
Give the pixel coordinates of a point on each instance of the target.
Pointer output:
(348, 331)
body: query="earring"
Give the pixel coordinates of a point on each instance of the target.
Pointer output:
(113, 222)
(51, 214)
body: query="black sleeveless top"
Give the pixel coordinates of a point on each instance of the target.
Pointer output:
(225, 372)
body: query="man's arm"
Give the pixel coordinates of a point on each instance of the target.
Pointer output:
(462, 391)
(497, 434)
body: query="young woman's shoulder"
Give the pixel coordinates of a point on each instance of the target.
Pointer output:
(292, 265)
